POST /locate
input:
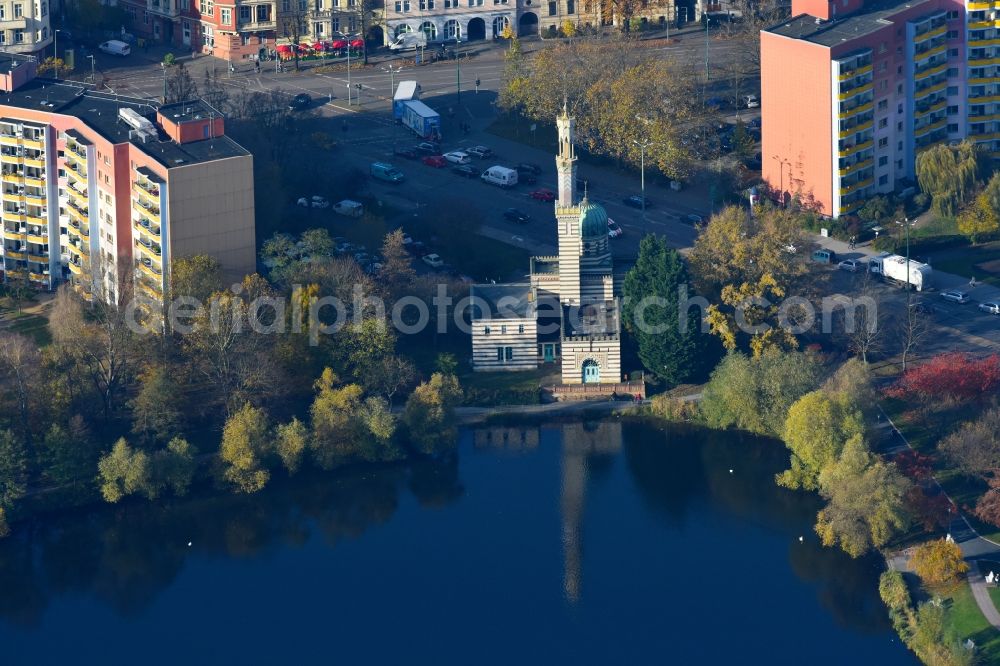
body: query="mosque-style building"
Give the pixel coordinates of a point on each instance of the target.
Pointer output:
(568, 312)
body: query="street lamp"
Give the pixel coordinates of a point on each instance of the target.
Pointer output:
(781, 175)
(458, 71)
(392, 80)
(55, 48)
(643, 145)
(708, 74)
(348, 72)
(906, 227)
(93, 73)
(163, 66)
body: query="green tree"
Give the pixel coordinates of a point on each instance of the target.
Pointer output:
(363, 346)
(13, 469)
(816, 429)
(244, 446)
(429, 414)
(939, 562)
(950, 174)
(979, 219)
(175, 466)
(336, 430)
(876, 209)
(291, 440)
(670, 346)
(380, 426)
(865, 501)
(198, 277)
(4, 527)
(158, 406)
(754, 394)
(123, 471)
(67, 454)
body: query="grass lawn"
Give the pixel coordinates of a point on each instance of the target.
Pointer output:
(33, 326)
(507, 388)
(965, 263)
(968, 621)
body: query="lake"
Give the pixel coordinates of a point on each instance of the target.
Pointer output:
(584, 543)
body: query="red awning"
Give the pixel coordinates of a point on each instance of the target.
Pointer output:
(318, 46)
(357, 43)
(284, 48)
(339, 44)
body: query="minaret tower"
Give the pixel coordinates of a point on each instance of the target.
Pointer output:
(566, 159)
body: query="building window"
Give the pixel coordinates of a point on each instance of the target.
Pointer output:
(883, 161)
(319, 29)
(303, 5)
(225, 16)
(953, 53)
(883, 142)
(899, 164)
(952, 110)
(352, 24)
(335, 25)
(3, 12)
(245, 13)
(18, 10)
(883, 104)
(570, 7)
(899, 89)
(899, 126)
(899, 146)
(19, 36)
(883, 180)
(45, 8)
(899, 108)
(952, 90)
(952, 72)
(426, 4)
(952, 128)
(402, 6)
(952, 15)
(882, 123)
(552, 9)
(881, 47)
(486, 330)
(520, 328)
(145, 18)
(503, 330)
(899, 69)
(882, 66)
(953, 34)
(499, 354)
(509, 353)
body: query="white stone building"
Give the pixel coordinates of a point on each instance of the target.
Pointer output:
(24, 26)
(449, 20)
(569, 311)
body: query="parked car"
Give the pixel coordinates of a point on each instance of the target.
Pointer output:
(955, 296)
(408, 153)
(852, 265)
(526, 177)
(433, 260)
(614, 231)
(457, 157)
(428, 148)
(314, 202)
(514, 215)
(299, 102)
(749, 102)
(480, 151)
(543, 195)
(436, 161)
(407, 239)
(529, 167)
(637, 201)
(990, 306)
(465, 170)
(115, 47)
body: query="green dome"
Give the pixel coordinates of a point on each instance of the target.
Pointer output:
(593, 220)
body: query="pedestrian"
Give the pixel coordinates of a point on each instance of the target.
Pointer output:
(972, 282)
(256, 66)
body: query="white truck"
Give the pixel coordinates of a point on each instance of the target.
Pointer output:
(406, 91)
(897, 270)
(502, 176)
(409, 40)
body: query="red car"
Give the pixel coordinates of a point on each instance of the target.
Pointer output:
(436, 161)
(543, 195)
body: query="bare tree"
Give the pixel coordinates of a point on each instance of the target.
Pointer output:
(863, 320)
(180, 86)
(911, 330)
(20, 363)
(293, 26)
(365, 10)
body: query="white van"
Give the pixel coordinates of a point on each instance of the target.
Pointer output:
(409, 40)
(349, 208)
(115, 47)
(502, 176)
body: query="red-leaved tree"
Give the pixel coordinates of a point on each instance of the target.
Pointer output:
(931, 511)
(954, 376)
(914, 464)
(988, 507)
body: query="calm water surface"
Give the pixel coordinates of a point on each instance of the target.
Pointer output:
(590, 543)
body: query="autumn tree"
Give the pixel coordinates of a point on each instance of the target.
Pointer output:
(174, 467)
(123, 471)
(817, 427)
(939, 562)
(13, 470)
(979, 219)
(987, 507)
(180, 86)
(158, 406)
(397, 275)
(949, 376)
(932, 510)
(949, 174)
(670, 342)
(865, 501)
(335, 428)
(291, 440)
(974, 448)
(755, 394)
(20, 364)
(198, 277)
(245, 444)
(429, 415)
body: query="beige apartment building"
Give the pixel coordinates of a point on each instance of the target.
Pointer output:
(24, 26)
(94, 184)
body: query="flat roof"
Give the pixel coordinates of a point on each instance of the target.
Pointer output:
(502, 301)
(100, 112)
(182, 112)
(590, 319)
(868, 20)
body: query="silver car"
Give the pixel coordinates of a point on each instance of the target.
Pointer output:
(955, 296)
(990, 306)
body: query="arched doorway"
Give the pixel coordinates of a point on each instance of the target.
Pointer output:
(430, 30)
(375, 36)
(499, 23)
(591, 372)
(452, 30)
(402, 29)
(527, 24)
(475, 30)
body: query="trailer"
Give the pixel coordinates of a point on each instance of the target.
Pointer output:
(897, 270)
(422, 119)
(406, 91)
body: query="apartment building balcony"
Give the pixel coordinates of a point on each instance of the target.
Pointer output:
(75, 266)
(934, 32)
(77, 212)
(919, 55)
(35, 181)
(924, 131)
(919, 75)
(150, 270)
(149, 288)
(854, 91)
(76, 172)
(860, 127)
(858, 71)
(930, 90)
(36, 161)
(856, 167)
(148, 192)
(75, 149)
(12, 177)
(148, 209)
(26, 255)
(33, 144)
(979, 6)
(855, 110)
(980, 25)
(81, 198)
(77, 249)
(855, 148)
(982, 41)
(147, 229)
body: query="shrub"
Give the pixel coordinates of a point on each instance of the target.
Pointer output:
(169, 59)
(673, 409)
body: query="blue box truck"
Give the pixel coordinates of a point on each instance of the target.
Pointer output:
(422, 119)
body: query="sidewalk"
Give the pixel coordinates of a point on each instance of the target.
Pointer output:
(942, 281)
